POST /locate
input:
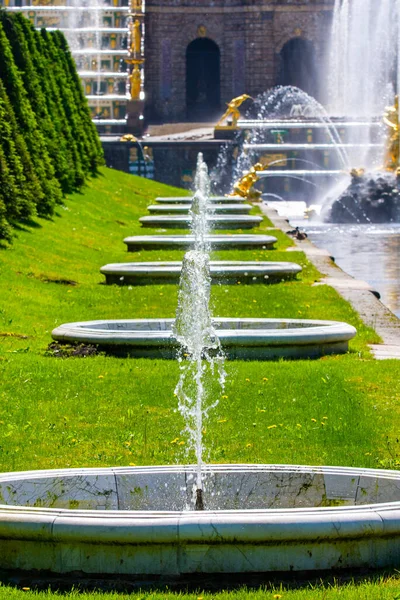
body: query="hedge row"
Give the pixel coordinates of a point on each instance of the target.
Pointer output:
(48, 143)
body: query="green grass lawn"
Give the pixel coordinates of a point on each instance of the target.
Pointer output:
(104, 411)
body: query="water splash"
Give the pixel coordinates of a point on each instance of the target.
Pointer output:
(200, 355)
(361, 69)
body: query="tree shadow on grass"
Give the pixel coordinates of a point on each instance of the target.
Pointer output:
(27, 225)
(196, 583)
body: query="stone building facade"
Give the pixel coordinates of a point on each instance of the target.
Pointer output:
(202, 53)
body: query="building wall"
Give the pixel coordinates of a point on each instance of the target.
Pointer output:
(250, 34)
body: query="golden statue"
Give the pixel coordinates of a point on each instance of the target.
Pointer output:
(391, 119)
(135, 80)
(136, 6)
(232, 110)
(356, 174)
(128, 137)
(243, 187)
(136, 38)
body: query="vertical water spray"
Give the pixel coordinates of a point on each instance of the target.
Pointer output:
(200, 354)
(361, 70)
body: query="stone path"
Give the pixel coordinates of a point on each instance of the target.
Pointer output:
(361, 296)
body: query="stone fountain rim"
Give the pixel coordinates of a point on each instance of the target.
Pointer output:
(213, 218)
(216, 237)
(227, 206)
(77, 514)
(334, 330)
(176, 543)
(189, 199)
(116, 268)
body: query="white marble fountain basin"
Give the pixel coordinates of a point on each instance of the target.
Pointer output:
(183, 209)
(215, 221)
(182, 242)
(258, 519)
(251, 339)
(189, 199)
(220, 271)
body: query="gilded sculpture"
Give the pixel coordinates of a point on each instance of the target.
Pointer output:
(136, 38)
(391, 119)
(135, 80)
(136, 6)
(243, 187)
(232, 112)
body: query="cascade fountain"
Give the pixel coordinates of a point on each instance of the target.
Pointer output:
(364, 73)
(359, 78)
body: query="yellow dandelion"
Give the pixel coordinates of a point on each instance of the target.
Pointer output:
(222, 421)
(323, 423)
(225, 397)
(174, 441)
(271, 427)
(181, 443)
(265, 378)
(101, 376)
(277, 596)
(298, 425)
(314, 420)
(132, 464)
(249, 445)
(324, 417)
(247, 379)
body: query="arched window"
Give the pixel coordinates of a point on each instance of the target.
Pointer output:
(298, 65)
(202, 79)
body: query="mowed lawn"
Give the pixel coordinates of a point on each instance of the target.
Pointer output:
(103, 410)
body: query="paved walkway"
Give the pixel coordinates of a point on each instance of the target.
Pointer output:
(361, 296)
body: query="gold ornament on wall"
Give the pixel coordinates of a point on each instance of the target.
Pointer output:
(201, 31)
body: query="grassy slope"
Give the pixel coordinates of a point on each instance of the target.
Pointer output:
(101, 411)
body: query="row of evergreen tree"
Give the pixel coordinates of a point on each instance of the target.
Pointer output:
(48, 143)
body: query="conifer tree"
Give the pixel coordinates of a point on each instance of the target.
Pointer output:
(29, 128)
(68, 100)
(51, 85)
(19, 35)
(92, 141)
(32, 189)
(20, 204)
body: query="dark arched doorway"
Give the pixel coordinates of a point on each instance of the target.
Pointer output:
(298, 65)
(202, 79)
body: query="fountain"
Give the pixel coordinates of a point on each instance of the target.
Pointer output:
(360, 78)
(362, 82)
(177, 209)
(215, 221)
(179, 242)
(225, 272)
(188, 200)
